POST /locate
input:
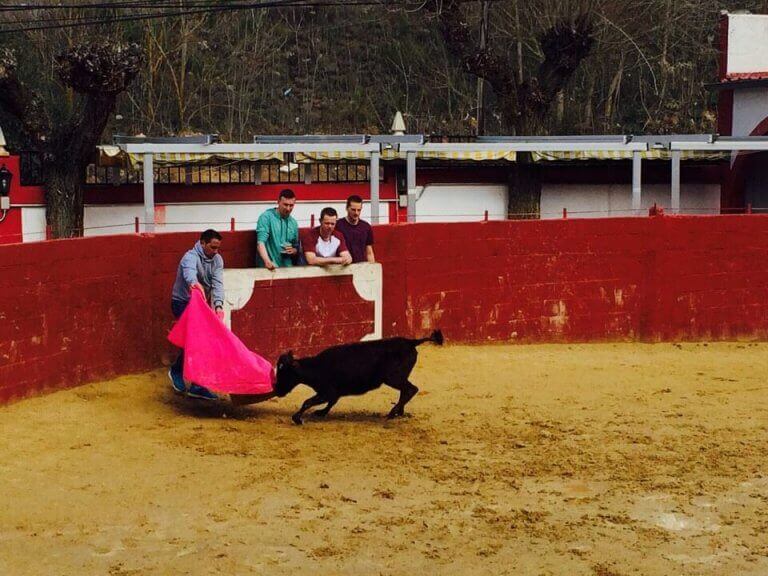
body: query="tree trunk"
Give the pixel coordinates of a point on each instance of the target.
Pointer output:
(524, 189)
(64, 200)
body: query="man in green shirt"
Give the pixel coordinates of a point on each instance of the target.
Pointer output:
(277, 234)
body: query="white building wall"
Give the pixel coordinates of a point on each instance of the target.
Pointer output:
(747, 46)
(750, 107)
(33, 223)
(109, 219)
(120, 219)
(604, 200)
(461, 202)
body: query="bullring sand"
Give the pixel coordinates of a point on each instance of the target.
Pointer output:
(603, 460)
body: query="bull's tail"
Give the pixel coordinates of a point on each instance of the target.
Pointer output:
(436, 337)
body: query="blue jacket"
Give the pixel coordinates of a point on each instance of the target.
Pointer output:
(195, 266)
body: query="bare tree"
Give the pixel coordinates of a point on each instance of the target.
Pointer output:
(524, 103)
(97, 73)
(524, 100)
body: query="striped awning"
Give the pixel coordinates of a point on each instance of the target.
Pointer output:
(660, 154)
(166, 158)
(395, 155)
(477, 156)
(331, 156)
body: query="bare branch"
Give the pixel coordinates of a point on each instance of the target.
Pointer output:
(103, 68)
(19, 101)
(484, 63)
(565, 46)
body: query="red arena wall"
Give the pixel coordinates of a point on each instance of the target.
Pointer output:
(87, 309)
(649, 279)
(304, 315)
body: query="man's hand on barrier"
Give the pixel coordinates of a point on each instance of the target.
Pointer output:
(269, 265)
(220, 313)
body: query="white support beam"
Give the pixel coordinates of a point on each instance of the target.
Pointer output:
(636, 183)
(244, 148)
(723, 145)
(410, 163)
(411, 206)
(149, 193)
(533, 146)
(373, 173)
(676, 181)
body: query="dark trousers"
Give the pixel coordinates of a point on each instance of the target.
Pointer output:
(178, 307)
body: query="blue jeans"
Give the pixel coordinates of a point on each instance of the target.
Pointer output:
(178, 307)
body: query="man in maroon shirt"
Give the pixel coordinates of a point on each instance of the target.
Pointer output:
(357, 233)
(323, 245)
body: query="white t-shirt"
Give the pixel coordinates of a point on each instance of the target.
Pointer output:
(327, 248)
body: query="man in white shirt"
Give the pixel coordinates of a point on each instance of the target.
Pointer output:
(323, 245)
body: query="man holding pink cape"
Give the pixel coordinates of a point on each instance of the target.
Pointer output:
(214, 359)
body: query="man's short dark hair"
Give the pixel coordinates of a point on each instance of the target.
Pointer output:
(328, 211)
(209, 235)
(286, 193)
(354, 198)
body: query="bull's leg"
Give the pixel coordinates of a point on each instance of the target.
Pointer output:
(398, 379)
(308, 403)
(324, 412)
(407, 391)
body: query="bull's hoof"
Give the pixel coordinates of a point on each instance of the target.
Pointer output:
(297, 419)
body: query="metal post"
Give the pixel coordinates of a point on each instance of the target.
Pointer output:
(149, 193)
(411, 185)
(411, 206)
(136, 225)
(636, 182)
(676, 181)
(232, 224)
(374, 176)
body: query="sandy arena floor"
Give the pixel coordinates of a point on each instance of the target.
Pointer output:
(597, 459)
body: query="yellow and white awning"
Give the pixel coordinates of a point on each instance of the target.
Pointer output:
(466, 155)
(108, 156)
(655, 154)
(475, 156)
(166, 158)
(395, 155)
(332, 156)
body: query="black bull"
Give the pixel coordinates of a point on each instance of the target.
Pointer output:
(352, 370)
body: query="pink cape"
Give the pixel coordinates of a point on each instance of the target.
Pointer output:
(214, 357)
